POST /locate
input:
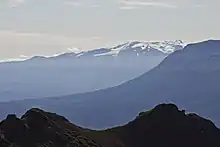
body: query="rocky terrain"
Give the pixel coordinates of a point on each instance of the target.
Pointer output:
(163, 126)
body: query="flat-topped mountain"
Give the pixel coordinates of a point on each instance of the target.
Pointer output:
(164, 125)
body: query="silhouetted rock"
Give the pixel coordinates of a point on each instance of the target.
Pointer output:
(41, 129)
(166, 126)
(163, 126)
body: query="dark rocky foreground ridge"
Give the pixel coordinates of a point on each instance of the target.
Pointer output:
(163, 126)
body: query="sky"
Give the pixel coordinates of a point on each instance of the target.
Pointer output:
(48, 27)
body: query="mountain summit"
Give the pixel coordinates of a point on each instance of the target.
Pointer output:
(188, 77)
(164, 125)
(136, 48)
(59, 75)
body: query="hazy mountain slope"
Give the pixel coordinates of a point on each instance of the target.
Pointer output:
(164, 125)
(189, 77)
(79, 72)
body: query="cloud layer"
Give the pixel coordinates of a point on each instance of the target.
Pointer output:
(131, 4)
(73, 3)
(15, 3)
(22, 43)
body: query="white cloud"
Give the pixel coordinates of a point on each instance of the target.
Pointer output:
(73, 3)
(23, 57)
(15, 3)
(133, 4)
(79, 4)
(95, 6)
(127, 7)
(8, 36)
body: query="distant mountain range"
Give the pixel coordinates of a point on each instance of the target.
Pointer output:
(81, 71)
(163, 126)
(188, 77)
(134, 48)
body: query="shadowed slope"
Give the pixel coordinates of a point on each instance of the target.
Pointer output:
(163, 126)
(42, 129)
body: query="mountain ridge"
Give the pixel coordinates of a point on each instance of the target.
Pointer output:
(164, 125)
(189, 78)
(59, 75)
(163, 47)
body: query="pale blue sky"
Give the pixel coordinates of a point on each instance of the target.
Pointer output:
(45, 27)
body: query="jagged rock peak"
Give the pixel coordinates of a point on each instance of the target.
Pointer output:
(36, 114)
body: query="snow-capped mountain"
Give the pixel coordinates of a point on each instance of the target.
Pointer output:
(165, 47)
(188, 77)
(134, 48)
(81, 71)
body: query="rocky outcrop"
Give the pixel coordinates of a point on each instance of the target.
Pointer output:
(163, 126)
